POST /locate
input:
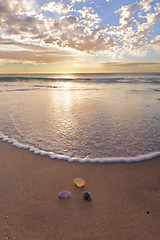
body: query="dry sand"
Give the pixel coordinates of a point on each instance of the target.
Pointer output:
(122, 194)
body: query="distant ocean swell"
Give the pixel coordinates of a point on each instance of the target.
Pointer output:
(106, 78)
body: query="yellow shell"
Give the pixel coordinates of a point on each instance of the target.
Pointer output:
(79, 182)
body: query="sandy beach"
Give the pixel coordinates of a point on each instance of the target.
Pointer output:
(125, 198)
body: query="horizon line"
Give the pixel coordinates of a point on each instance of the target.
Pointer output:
(75, 73)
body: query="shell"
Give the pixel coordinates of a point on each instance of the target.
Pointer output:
(87, 196)
(79, 182)
(64, 194)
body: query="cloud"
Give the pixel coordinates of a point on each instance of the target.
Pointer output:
(145, 4)
(19, 17)
(68, 31)
(73, 1)
(133, 64)
(88, 14)
(33, 53)
(16, 6)
(25, 26)
(126, 13)
(132, 33)
(59, 7)
(36, 57)
(155, 43)
(9, 42)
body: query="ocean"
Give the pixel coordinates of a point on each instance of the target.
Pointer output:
(82, 117)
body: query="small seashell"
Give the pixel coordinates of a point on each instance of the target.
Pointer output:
(6, 238)
(87, 196)
(64, 194)
(79, 182)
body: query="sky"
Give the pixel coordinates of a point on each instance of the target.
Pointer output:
(45, 36)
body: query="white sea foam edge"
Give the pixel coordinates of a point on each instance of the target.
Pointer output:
(52, 155)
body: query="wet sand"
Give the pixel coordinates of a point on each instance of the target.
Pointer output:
(125, 198)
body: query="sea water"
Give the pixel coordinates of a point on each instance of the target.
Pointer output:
(82, 117)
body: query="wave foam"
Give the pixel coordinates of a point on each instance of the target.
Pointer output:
(52, 155)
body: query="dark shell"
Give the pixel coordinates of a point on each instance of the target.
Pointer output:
(87, 196)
